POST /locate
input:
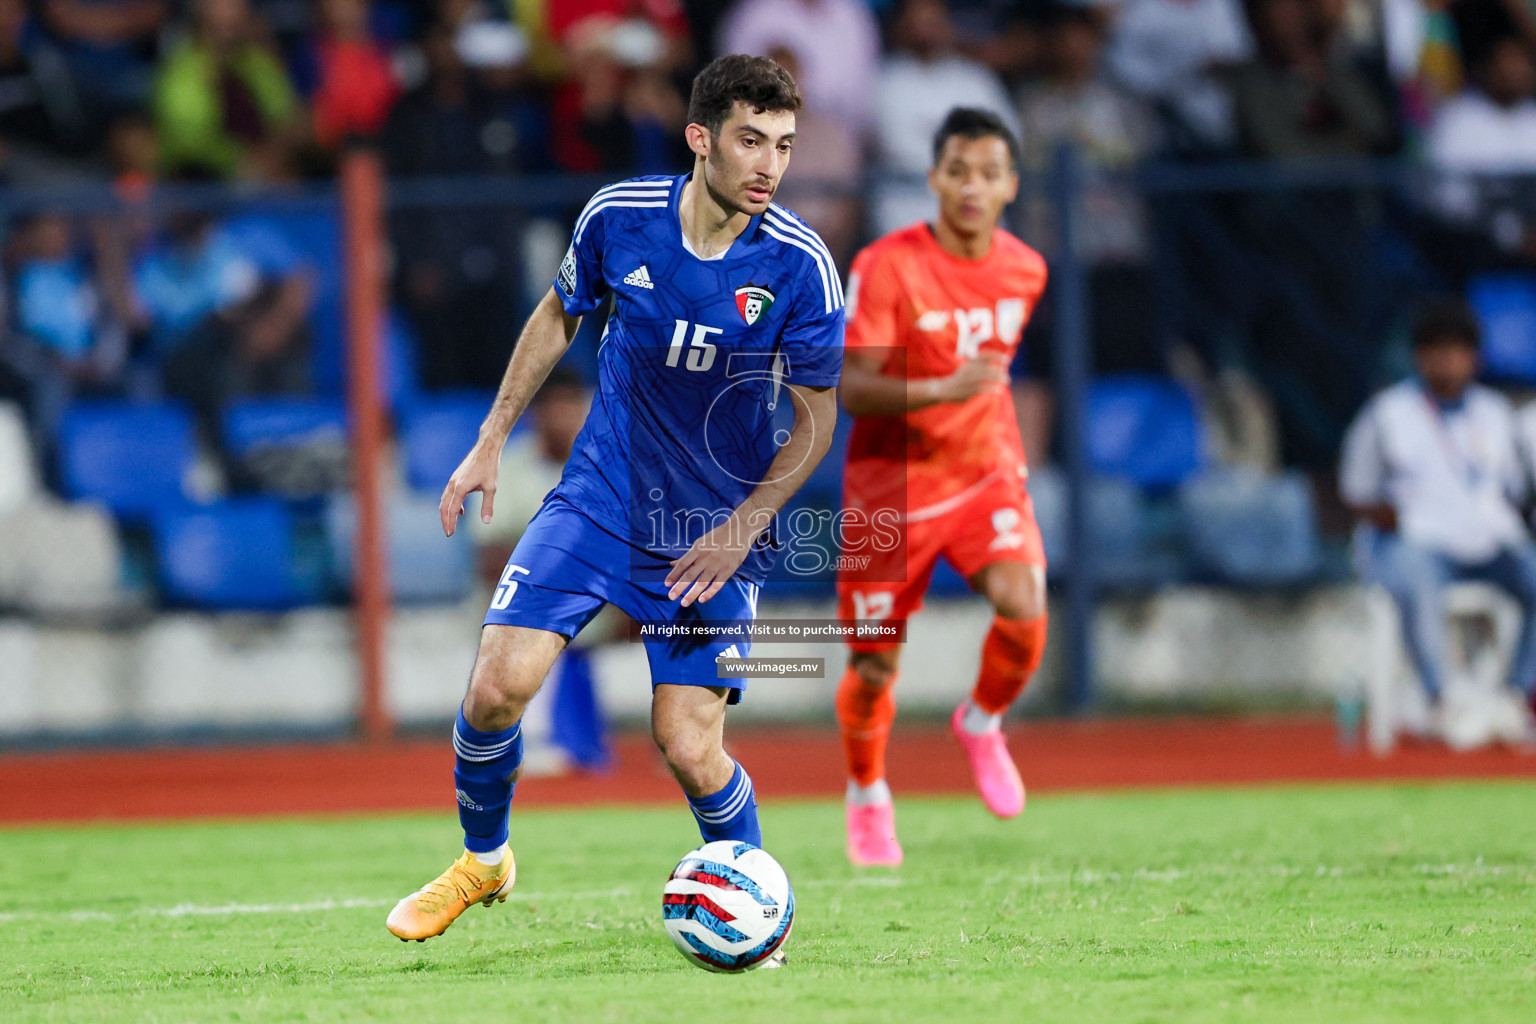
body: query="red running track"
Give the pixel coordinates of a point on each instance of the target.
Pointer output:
(785, 762)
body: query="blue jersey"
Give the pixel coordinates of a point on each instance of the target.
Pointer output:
(690, 408)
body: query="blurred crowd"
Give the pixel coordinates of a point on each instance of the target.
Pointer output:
(207, 307)
(269, 89)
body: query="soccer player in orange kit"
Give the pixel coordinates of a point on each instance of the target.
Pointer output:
(935, 314)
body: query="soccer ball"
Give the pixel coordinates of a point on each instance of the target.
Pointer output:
(728, 906)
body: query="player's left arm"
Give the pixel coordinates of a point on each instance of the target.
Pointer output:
(714, 558)
(545, 338)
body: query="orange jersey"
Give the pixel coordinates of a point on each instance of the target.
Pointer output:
(925, 312)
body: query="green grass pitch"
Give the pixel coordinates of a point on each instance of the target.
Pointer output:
(1339, 904)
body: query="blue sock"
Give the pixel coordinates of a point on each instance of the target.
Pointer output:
(730, 813)
(483, 763)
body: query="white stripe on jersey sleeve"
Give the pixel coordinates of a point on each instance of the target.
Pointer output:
(623, 186)
(582, 226)
(820, 266)
(786, 221)
(623, 190)
(618, 185)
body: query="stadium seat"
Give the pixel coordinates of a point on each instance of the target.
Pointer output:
(131, 458)
(399, 347)
(1144, 429)
(1245, 528)
(60, 559)
(18, 473)
(251, 423)
(236, 554)
(436, 432)
(293, 447)
(1048, 491)
(1505, 305)
(423, 564)
(1126, 535)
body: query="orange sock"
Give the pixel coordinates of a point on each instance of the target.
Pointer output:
(1008, 658)
(864, 715)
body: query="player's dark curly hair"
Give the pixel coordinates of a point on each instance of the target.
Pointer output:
(974, 123)
(756, 81)
(1446, 318)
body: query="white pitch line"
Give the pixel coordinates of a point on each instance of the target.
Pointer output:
(1086, 876)
(239, 909)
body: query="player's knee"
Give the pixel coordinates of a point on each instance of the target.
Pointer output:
(876, 669)
(484, 700)
(493, 694)
(688, 752)
(1022, 600)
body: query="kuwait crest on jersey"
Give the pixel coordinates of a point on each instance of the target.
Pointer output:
(754, 301)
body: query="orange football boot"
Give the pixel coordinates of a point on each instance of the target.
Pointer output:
(430, 910)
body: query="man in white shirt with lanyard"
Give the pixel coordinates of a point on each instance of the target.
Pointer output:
(1432, 469)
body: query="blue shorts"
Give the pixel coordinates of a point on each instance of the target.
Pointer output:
(566, 567)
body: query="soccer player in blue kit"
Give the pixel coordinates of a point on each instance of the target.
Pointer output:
(724, 306)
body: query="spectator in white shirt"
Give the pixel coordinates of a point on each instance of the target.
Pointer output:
(920, 83)
(837, 42)
(1432, 470)
(1491, 127)
(1483, 144)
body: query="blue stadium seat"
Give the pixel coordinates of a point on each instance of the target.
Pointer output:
(131, 458)
(1048, 491)
(1125, 533)
(423, 564)
(253, 423)
(1144, 429)
(437, 431)
(1249, 529)
(236, 554)
(399, 345)
(1505, 305)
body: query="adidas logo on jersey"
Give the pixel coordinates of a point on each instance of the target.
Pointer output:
(640, 278)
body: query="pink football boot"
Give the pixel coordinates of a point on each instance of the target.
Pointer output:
(996, 775)
(872, 835)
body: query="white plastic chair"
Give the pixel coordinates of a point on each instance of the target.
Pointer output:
(1483, 625)
(18, 472)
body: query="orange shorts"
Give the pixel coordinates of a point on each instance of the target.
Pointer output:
(996, 525)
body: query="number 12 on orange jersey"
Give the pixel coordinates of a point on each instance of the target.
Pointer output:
(976, 327)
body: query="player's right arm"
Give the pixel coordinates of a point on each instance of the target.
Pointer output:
(874, 304)
(579, 289)
(544, 340)
(1363, 472)
(868, 391)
